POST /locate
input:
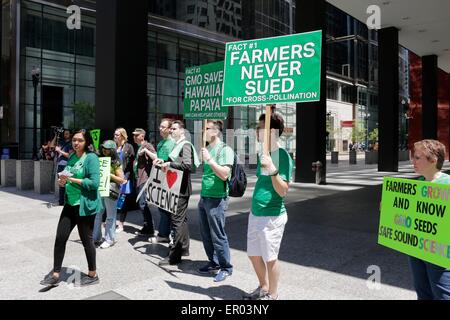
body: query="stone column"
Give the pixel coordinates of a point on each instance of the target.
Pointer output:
(8, 173)
(25, 174)
(43, 176)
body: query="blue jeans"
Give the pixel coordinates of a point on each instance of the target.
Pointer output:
(164, 223)
(110, 227)
(212, 228)
(430, 281)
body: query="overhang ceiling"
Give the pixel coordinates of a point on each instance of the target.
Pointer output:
(424, 25)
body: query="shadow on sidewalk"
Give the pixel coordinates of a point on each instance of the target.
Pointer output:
(336, 233)
(224, 292)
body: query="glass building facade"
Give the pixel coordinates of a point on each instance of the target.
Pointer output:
(66, 59)
(197, 35)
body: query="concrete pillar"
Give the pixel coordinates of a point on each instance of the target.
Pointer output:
(121, 65)
(311, 117)
(8, 175)
(388, 84)
(430, 97)
(25, 174)
(43, 176)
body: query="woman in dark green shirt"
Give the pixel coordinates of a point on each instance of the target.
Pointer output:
(82, 202)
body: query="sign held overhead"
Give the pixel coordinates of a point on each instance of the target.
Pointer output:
(273, 70)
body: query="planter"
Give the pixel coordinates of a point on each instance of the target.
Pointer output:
(371, 157)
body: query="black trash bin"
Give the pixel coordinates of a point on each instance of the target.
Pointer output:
(335, 157)
(352, 156)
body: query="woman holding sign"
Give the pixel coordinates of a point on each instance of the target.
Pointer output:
(431, 282)
(268, 216)
(82, 202)
(117, 178)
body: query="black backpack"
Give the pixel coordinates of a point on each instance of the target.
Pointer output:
(238, 181)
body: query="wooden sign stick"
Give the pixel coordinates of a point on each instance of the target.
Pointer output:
(205, 123)
(266, 146)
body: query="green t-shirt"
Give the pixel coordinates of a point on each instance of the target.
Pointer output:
(443, 179)
(164, 148)
(266, 202)
(75, 166)
(212, 185)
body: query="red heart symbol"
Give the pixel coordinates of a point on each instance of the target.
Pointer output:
(171, 178)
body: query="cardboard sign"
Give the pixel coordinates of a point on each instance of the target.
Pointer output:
(415, 219)
(105, 175)
(163, 190)
(95, 134)
(273, 70)
(203, 92)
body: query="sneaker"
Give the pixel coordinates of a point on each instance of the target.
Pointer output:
(268, 297)
(49, 280)
(166, 262)
(152, 240)
(208, 269)
(119, 229)
(88, 281)
(106, 245)
(98, 243)
(145, 232)
(162, 239)
(221, 276)
(255, 294)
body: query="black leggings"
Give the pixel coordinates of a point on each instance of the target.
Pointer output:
(69, 219)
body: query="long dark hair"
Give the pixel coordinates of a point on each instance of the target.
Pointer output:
(87, 137)
(112, 154)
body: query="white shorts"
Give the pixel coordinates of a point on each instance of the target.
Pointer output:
(264, 236)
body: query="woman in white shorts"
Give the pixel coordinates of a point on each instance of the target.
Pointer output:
(269, 216)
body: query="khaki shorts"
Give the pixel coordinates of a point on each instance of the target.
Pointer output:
(264, 236)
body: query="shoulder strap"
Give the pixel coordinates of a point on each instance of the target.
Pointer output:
(175, 154)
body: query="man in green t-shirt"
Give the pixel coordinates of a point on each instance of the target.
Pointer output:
(164, 148)
(218, 161)
(268, 216)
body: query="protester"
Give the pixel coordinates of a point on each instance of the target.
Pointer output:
(142, 166)
(268, 216)
(82, 203)
(108, 149)
(183, 158)
(218, 162)
(164, 148)
(63, 150)
(126, 155)
(431, 282)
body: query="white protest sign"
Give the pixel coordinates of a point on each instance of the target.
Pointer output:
(163, 189)
(105, 174)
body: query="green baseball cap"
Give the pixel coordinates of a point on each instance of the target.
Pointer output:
(109, 144)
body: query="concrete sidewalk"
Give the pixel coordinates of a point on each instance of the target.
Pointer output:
(330, 241)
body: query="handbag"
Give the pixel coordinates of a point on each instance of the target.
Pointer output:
(114, 191)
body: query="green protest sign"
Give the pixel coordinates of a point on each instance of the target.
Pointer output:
(95, 134)
(203, 92)
(414, 219)
(273, 70)
(105, 174)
